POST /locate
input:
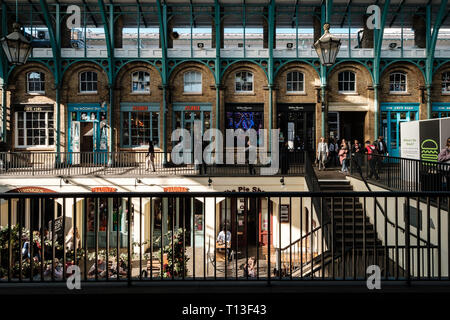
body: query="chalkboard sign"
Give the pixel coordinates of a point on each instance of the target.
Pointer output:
(58, 228)
(284, 213)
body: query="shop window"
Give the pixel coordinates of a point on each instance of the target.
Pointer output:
(193, 82)
(138, 128)
(140, 82)
(446, 82)
(397, 82)
(346, 81)
(244, 81)
(34, 129)
(36, 82)
(295, 82)
(88, 82)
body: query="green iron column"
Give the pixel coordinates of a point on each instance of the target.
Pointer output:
(378, 39)
(218, 27)
(4, 73)
(324, 17)
(431, 47)
(270, 66)
(108, 26)
(162, 17)
(56, 50)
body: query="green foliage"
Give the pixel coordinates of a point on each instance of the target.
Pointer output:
(176, 265)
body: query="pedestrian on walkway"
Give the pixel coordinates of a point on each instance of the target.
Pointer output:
(150, 157)
(357, 152)
(382, 152)
(322, 153)
(343, 154)
(372, 152)
(333, 151)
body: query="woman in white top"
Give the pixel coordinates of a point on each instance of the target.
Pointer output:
(322, 153)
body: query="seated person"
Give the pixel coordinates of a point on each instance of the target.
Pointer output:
(101, 267)
(225, 235)
(250, 267)
(58, 270)
(122, 269)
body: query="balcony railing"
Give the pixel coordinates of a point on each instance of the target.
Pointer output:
(133, 163)
(176, 236)
(402, 174)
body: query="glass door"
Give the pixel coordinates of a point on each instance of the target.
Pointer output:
(390, 128)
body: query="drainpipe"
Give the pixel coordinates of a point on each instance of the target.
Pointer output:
(4, 113)
(376, 108)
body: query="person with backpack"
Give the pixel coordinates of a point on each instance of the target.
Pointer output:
(372, 153)
(333, 150)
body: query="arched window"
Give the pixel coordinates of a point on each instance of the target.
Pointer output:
(397, 82)
(346, 81)
(193, 82)
(88, 82)
(140, 82)
(244, 81)
(295, 82)
(446, 82)
(35, 82)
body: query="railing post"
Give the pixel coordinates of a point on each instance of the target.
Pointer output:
(407, 244)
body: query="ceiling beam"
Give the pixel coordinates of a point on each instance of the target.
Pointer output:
(142, 13)
(399, 8)
(90, 13)
(347, 9)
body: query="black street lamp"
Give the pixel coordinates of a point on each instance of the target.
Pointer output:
(327, 47)
(16, 47)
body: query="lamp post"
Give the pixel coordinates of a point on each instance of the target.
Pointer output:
(17, 48)
(327, 48)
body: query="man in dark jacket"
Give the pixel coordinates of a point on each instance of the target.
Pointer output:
(382, 152)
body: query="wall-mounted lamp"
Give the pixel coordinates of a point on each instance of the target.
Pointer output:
(283, 185)
(210, 183)
(137, 181)
(65, 180)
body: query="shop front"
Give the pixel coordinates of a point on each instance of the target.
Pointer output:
(139, 124)
(392, 114)
(186, 113)
(88, 133)
(296, 123)
(440, 110)
(34, 126)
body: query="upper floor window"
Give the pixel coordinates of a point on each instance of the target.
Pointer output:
(88, 82)
(346, 81)
(193, 82)
(244, 81)
(397, 82)
(140, 82)
(446, 82)
(295, 82)
(35, 82)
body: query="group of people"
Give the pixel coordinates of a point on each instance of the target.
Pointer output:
(330, 153)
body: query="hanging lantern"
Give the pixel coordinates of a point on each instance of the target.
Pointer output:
(16, 47)
(327, 47)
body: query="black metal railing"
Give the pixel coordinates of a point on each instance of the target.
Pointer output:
(177, 236)
(402, 174)
(136, 163)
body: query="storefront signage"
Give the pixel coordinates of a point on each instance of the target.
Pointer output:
(104, 189)
(192, 108)
(245, 107)
(399, 107)
(284, 213)
(441, 107)
(31, 190)
(296, 107)
(246, 189)
(140, 108)
(175, 189)
(33, 108)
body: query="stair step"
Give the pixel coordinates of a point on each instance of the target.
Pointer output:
(335, 187)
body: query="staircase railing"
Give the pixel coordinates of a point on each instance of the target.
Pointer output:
(378, 205)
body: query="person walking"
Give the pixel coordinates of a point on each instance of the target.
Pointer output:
(251, 149)
(343, 154)
(371, 151)
(444, 157)
(284, 157)
(333, 150)
(357, 152)
(322, 153)
(150, 157)
(382, 152)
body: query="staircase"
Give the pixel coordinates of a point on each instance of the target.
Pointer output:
(355, 244)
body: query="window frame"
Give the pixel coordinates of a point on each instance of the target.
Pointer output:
(192, 82)
(347, 81)
(127, 113)
(243, 82)
(298, 81)
(41, 82)
(139, 82)
(445, 81)
(391, 83)
(24, 128)
(90, 81)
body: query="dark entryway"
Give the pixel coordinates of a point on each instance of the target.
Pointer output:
(352, 125)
